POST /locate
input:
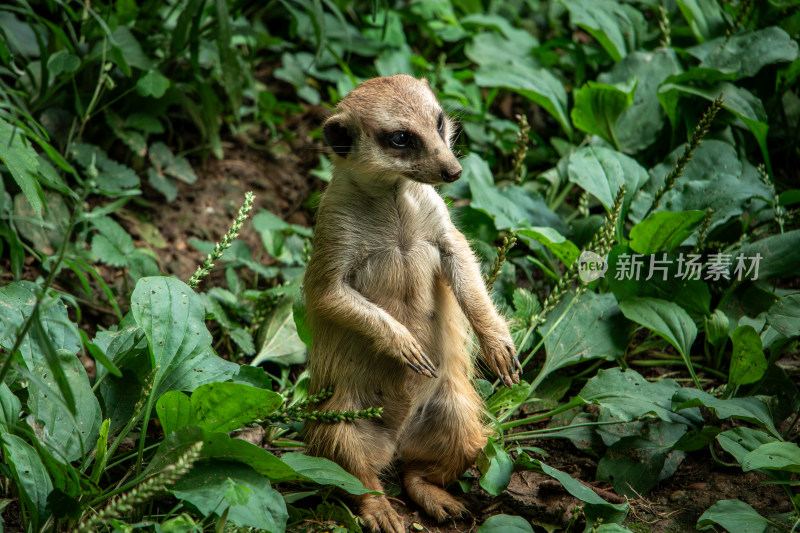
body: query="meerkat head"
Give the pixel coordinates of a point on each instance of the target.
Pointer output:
(393, 126)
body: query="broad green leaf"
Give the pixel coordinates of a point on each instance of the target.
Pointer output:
(744, 54)
(299, 314)
(750, 409)
(324, 472)
(508, 398)
(705, 18)
(165, 162)
(625, 396)
(10, 408)
(595, 505)
(174, 411)
(46, 232)
(737, 100)
(633, 465)
(777, 255)
(226, 406)
(511, 207)
(537, 85)
(53, 364)
(715, 178)
(601, 171)
(112, 177)
(221, 446)
(562, 248)
(663, 231)
(502, 523)
(773, 456)
(641, 123)
(172, 317)
(667, 319)
(742, 440)
(717, 328)
(495, 466)
(598, 106)
(113, 245)
(22, 162)
(278, 337)
(784, 315)
(735, 516)
(16, 305)
(152, 84)
(490, 48)
(590, 328)
(69, 438)
(29, 475)
(748, 362)
(664, 276)
(62, 61)
(264, 509)
(617, 27)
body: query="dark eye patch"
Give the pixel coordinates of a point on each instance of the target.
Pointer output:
(400, 140)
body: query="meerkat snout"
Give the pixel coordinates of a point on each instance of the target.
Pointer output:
(451, 174)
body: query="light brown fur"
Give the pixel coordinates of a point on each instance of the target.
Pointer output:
(388, 288)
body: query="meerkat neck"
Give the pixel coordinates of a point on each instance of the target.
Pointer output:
(378, 185)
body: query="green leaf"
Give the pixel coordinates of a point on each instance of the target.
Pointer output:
(744, 54)
(22, 162)
(778, 255)
(742, 440)
(152, 84)
(562, 248)
(495, 466)
(29, 475)
(773, 456)
(112, 177)
(624, 396)
(595, 505)
(243, 339)
(165, 162)
(511, 207)
(641, 123)
(62, 61)
(717, 328)
(750, 409)
(279, 339)
(172, 317)
(226, 406)
(735, 516)
(748, 362)
(502, 523)
(705, 18)
(174, 411)
(668, 320)
(598, 106)
(715, 178)
(102, 451)
(16, 304)
(10, 408)
(784, 315)
(617, 27)
(664, 231)
(601, 171)
(324, 472)
(113, 245)
(737, 100)
(264, 509)
(70, 438)
(537, 85)
(591, 328)
(634, 464)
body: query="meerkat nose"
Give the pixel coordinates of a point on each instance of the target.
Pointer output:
(450, 177)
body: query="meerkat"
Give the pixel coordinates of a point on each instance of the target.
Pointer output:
(390, 288)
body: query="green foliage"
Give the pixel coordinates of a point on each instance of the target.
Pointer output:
(678, 123)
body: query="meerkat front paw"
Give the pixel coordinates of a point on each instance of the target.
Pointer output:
(408, 349)
(501, 355)
(378, 516)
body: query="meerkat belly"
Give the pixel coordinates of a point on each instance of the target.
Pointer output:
(401, 279)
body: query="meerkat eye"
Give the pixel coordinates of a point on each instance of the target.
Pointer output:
(400, 139)
(440, 123)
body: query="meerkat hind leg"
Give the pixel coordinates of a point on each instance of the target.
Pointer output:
(440, 444)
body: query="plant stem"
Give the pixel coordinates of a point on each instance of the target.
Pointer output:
(667, 362)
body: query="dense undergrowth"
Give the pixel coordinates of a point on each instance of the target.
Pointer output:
(630, 183)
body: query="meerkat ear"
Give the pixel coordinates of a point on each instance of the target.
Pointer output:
(336, 135)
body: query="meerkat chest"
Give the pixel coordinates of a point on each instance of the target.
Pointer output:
(399, 258)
